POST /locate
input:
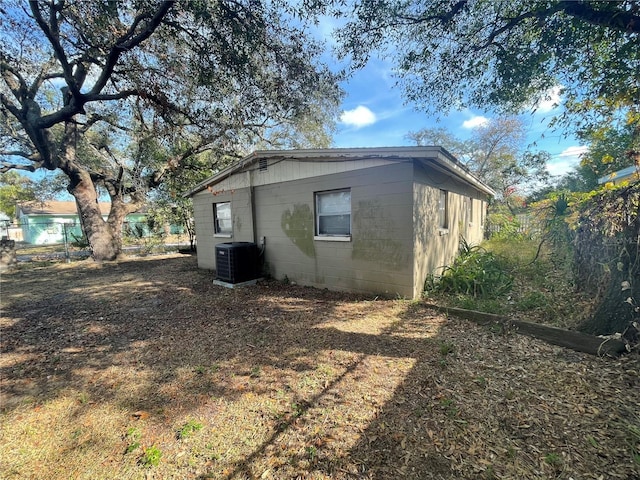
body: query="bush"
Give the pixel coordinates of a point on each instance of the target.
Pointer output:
(474, 272)
(502, 225)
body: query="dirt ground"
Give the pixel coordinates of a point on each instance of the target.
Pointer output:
(145, 369)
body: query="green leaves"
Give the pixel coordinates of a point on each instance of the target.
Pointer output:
(495, 153)
(474, 272)
(500, 55)
(14, 188)
(143, 87)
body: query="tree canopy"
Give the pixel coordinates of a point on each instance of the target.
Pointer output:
(83, 82)
(14, 188)
(495, 153)
(504, 55)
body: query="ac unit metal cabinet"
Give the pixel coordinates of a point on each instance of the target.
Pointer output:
(236, 261)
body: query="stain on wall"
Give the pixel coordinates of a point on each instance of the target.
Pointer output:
(298, 226)
(373, 231)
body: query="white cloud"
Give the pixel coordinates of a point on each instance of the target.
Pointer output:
(566, 160)
(326, 27)
(549, 100)
(359, 117)
(477, 121)
(574, 152)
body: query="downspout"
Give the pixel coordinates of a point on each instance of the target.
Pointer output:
(252, 204)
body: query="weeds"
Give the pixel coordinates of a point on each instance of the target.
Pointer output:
(553, 459)
(541, 289)
(447, 348)
(475, 272)
(480, 381)
(311, 452)
(633, 438)
(449, 406)
(151, 457)
(189, 429)
(133, 437)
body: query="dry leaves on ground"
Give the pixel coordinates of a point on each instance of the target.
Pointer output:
(145, 369)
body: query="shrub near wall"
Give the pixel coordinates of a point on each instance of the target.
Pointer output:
(607, 257)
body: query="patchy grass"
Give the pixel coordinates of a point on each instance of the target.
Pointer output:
(145, 369)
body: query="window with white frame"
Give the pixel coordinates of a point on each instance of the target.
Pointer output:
(222, 218)
(333, 213)
(443, 209)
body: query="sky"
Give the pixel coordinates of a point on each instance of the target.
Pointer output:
(374, 114)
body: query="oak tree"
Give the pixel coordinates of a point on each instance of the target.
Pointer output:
(79, 79)
(504, 55)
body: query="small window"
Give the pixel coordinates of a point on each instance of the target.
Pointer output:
(443, 209)
(470, 211)
(333, 213)
(222, 218)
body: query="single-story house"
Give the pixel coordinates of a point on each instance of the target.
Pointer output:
(376, 220)
(630, 174)
(45, 223)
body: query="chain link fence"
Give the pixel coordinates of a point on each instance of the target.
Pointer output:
(65, 238)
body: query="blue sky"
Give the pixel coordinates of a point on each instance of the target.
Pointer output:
(375, 115)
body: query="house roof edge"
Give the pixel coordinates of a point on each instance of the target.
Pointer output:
(439, 154)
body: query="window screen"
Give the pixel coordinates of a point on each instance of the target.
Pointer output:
(333, 213)
(443, 210)
(222, 217)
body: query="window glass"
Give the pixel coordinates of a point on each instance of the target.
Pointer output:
(333, 213)
(443, 210)
(222, 217)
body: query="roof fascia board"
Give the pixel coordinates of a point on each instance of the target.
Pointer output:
(454, 167)
(619, 175)
(423, 153)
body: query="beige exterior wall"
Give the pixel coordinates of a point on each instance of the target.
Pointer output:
(241, 213)
(395, 240)
(279, 170)
(435, 247)
(378, 259)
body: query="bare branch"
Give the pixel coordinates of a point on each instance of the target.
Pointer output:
(5, 167)
(14, 80)
(51, 31)
(129, 41)
(68, 111)
(17, 153)
(6, 103)
(622, 20)
(511, 23)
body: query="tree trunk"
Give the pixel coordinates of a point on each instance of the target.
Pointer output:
(613, 314)
(104, 242)
(617, 308)
(104, 236)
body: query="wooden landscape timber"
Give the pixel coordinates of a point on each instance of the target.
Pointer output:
(578, 341)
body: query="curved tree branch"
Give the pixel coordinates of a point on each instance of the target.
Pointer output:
(51, 31)
(129, 41)
(5, 167)
(621, 20)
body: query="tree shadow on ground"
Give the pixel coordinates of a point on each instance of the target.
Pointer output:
(347, 394)
(65, 325)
